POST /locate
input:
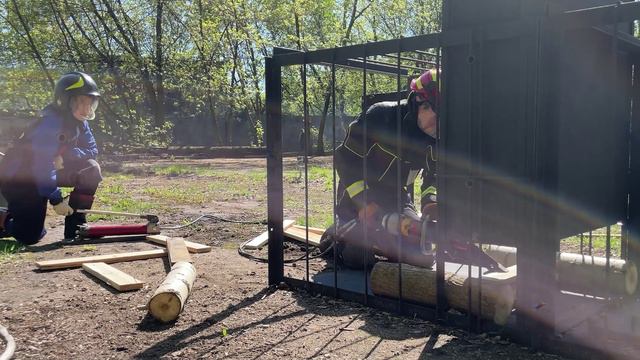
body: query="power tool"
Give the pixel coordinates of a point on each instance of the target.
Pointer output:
(417, 232)
(90, 231)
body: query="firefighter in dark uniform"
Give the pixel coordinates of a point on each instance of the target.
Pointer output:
(418, 114)
(58, 150)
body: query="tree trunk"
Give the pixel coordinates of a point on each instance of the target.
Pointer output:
(169, 299)
(419, 285)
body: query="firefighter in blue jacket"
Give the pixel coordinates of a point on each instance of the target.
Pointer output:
(58, 150)
(378, 149)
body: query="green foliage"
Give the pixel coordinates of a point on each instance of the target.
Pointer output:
(207, 61)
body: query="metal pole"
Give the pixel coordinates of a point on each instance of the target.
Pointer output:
(275, 213)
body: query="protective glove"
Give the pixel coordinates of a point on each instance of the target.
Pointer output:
(430, 210)
(369, 214)
(63, 208)
(58, 163)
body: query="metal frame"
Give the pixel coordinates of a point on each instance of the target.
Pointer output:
(537, 251)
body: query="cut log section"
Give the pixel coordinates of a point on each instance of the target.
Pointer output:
(168, 300)
(191, 246)
(419, 285)
(300, 234)
(588, 274)
(178, 250)
(261, 240)
(109, 259)
(113, 277)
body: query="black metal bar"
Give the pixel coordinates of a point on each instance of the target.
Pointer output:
(441, 69)
(470, 140)
(364, 176)
(399, 176)
(400, 70)
(590, 242)
(275, 213)
(614, 111)
(307, 136)
(335, 198)
(408, 59)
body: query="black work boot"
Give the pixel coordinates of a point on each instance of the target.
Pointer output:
(4, 215)
(72, 223)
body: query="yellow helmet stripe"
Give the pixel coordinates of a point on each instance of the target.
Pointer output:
(76, 85)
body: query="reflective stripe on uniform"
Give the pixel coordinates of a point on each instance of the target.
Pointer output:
(431, 190)
(418, 83)
(355, 188)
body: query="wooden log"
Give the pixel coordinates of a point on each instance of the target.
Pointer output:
(168, 300)
(588, 274)
(261, 240)
(582, 273)
(419, 285)
(115, 278)
(178, 250)
(191, 246)
(109, 259)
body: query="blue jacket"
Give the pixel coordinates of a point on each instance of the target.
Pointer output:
(31, 157)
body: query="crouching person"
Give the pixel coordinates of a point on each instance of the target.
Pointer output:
(58, 150)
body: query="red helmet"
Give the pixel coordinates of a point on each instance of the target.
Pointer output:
(425, 87)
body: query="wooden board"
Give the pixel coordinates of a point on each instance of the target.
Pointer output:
(178, 250)
(508, 277)
(109, 259)
(191, 246)
(261, 240)
(315, 230)
(115, 278)
(301, 235)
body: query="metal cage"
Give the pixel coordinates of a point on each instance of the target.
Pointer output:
(535, 144)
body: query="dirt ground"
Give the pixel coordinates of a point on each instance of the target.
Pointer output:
(230, 314)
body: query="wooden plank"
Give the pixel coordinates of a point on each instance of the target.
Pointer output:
(262, 239)
(191, 246)
(115, 278)
(315, 230)
(300, 235)
(109, 259)
(178, 250)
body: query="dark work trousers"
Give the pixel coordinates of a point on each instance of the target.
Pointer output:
(28, 209)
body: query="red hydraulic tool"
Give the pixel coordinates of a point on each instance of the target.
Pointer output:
(89, 231)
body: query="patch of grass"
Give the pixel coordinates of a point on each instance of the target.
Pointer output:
(8, 248)
(598, 241)
(194, 195)
(173, 170)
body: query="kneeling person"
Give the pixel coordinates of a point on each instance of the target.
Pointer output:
(58, 150)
